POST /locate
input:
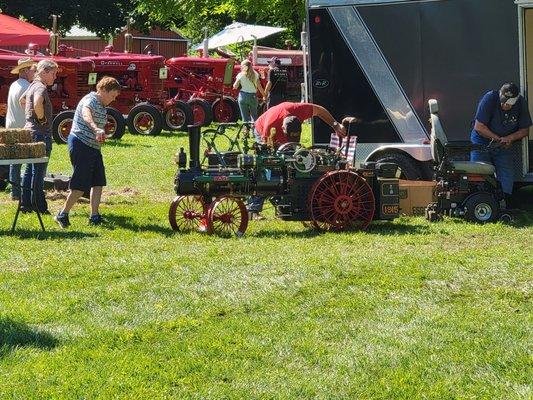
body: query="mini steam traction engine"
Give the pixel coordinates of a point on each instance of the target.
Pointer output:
(317, 185)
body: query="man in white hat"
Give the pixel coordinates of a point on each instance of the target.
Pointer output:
(15, 117)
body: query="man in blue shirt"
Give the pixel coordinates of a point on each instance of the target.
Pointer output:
(502, 117)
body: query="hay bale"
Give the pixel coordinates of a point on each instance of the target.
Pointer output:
(36, 150)
(15, 135)
(3, 152)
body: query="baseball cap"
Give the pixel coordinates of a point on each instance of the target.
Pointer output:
(509, 94)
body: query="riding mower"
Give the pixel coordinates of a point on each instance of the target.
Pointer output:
(466, 189)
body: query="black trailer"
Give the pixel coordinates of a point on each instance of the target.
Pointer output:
(382, 60)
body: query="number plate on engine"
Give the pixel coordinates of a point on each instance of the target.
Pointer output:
(391, 209)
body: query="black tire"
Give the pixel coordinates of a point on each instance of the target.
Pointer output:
(225, 109)
(61, 126)
(202, 112)
(481, 207)
(115, 117)
(145, 119)
(410, 169)
(177, 117)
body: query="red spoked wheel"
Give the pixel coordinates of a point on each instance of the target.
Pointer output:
(187, 213)
(227, 216)
(225, 109)
(341, 200)
(64, 129)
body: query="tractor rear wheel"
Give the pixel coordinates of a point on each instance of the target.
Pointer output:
(177, 117)
(201, 110)
(225, 109)
(187, 213)
(341, 200)
(61, 126)
(115, 126)
(145, 119)
(227, 216)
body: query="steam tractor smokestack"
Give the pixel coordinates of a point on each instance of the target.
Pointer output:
(128, 39)
(54, 37)
(194, 146)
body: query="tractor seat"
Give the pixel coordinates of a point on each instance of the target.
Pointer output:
(473, 167)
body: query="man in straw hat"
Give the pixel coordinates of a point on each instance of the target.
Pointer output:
(15, 117)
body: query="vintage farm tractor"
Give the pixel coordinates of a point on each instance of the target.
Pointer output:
(206, 84)
(315, 185)
(72, 83)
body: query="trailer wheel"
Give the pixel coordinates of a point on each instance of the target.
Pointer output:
(145, 119)
(115, 126)
(341, 200)
(177, 117)
(201, 111)
(225, 109)
(482, 207)
(227, 216)
(409, 167)
(61, 126)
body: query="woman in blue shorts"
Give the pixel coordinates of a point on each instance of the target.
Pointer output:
(84, 142)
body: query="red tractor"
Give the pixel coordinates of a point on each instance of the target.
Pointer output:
(74, 80)
(206, 84)
(143, 96)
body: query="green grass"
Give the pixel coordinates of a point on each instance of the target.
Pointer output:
(132, 310)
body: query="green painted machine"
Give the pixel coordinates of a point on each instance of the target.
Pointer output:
(316, 185)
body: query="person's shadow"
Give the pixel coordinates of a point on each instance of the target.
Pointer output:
(15, 334)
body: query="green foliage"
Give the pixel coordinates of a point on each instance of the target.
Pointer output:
(132, 310)
(103, 17)
(191, 16)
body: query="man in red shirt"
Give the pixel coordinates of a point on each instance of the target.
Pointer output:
(283, 123)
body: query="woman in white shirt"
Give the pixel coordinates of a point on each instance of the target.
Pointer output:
(248, 82)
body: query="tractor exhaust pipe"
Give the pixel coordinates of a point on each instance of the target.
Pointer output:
(128, 39)
(194, 146)
(54, 37)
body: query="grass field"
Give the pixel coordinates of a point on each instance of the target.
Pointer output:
(407, 310)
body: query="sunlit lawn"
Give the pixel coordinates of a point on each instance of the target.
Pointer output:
(133, 310)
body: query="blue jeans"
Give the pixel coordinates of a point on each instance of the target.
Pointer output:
(502, 159)
(248, 106)
(14, 176)
(34, 178)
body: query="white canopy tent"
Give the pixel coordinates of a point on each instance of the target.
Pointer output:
(239, 32)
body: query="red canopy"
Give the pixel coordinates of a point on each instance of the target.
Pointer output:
(14, 32)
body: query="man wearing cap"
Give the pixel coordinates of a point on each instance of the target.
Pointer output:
(15, 116)
(502, 117)
(277, 83)
(283, 123)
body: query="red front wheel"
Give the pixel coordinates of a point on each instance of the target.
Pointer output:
(227, 216)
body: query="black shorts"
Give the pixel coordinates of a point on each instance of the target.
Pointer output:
(88, 164)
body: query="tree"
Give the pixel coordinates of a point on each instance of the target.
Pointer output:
(191, 16)
(104, 17)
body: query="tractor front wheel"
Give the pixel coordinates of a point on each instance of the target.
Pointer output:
(178, 116)
(145, 119)
(227, 216)
(225, 109)
(187, 213)
(61, 126)
(201, 110)
(115, 126)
